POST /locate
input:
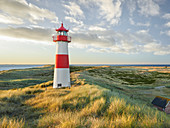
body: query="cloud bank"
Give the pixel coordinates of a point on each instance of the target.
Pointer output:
(97, 37)
(97, 40)
(21, 9)
(38, 34)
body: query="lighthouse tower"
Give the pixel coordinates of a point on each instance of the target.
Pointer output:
(61, 70)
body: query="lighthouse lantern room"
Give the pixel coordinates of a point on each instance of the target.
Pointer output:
(61, 70)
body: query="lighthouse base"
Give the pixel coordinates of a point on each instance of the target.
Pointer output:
(61, 78)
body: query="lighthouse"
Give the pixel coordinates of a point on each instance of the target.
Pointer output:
(61, 70)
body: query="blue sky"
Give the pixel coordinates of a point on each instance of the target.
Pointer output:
(102, 31)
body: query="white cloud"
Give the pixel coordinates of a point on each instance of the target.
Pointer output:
(166, 16)
(132, 22)
(104, 50)
(167, 24)
(142, 36)
(26, 11)
(77, 24)
(117, 42)
(73, 20)
(90, 39)
(97, 41)
(110, 10)
(142, 32)
(96, 28)
(148, 7)
(165, 32)
(36, 33)
(157, 48)
(21, 1)
(133, 48)
(10, 19)
(23, 41)
(145, 7)
(151, 47)
(55, 21)
(143, 24)
(131, 4)
(86, 3)
(74, 10)
(168, 33)
(37, 26)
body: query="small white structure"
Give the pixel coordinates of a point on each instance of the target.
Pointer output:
(61, 70)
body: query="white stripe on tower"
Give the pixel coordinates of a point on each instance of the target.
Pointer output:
(62, 47)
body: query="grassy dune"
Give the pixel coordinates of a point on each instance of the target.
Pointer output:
(139, 83)
(86, 104)
(19, 78)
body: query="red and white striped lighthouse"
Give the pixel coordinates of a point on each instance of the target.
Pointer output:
(61, 70)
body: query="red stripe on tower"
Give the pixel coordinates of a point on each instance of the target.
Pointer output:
(62, 61)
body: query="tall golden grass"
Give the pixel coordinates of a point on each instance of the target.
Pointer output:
(83, 106)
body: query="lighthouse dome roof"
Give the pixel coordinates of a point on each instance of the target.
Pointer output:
(62, 28)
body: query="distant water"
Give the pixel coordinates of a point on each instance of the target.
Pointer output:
(8, 66)
(157, 65)
(13, 66)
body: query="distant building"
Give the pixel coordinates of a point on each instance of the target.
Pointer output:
(162, 103)
(167, 108)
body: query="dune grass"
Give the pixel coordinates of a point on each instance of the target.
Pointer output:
(11, 123)
(20, 78)
(139, 84)
(82, 106)
(129, 76)
(85, 105)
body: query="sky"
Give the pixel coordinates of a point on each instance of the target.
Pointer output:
(102, 31)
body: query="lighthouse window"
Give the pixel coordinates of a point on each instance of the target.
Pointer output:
(62, 33)
(59, 85)
(59, 33)
(65, 33)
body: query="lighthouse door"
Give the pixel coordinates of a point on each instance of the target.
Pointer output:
(59, 85)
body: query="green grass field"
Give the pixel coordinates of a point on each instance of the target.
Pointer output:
(100, 97)
(138, 84)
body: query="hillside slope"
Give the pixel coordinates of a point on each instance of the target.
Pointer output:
(84, 105)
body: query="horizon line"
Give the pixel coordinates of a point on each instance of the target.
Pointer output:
(91, 64)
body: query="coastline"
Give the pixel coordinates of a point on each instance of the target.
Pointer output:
(140, 65)
(4, 67)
